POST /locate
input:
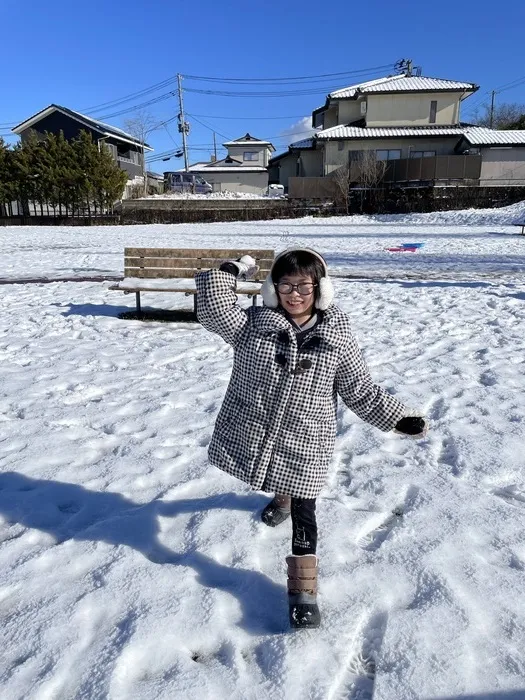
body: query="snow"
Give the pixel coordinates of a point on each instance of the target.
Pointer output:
(225, 194)
(131, 568)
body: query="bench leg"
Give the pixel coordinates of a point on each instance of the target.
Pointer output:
(195, 304)
(254, 300)
(137, 297)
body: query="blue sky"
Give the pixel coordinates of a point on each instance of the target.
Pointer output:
(82, 55)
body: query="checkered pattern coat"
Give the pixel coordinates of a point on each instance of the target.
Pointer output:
(276, 427)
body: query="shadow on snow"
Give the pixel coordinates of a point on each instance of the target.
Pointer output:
(68, 511)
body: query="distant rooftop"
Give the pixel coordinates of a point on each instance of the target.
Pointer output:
(402, 83)
(94, 124)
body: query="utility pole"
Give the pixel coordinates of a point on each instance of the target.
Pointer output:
(492, 108)
(214, 147)
(184, 127)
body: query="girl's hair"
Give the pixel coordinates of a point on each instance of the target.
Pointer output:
(299, 262)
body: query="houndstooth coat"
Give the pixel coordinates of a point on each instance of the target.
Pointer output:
(276, 427)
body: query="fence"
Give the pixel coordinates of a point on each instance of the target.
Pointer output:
(28, 213)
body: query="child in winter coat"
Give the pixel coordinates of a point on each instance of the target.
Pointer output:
(276, 428)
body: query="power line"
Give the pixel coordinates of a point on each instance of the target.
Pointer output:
(155, 100)
(130, 96)
(266, 93)
(207, 126)
(295, 79)
(213, 116)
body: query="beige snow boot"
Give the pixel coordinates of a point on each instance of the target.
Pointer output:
(302, 591)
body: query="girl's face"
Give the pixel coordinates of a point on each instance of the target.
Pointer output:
(298, 303)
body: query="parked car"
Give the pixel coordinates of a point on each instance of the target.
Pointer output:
(186, 182)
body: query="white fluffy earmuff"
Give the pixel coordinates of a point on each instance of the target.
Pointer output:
(326, 288)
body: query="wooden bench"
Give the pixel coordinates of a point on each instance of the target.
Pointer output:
(183, 263)
(522, 225)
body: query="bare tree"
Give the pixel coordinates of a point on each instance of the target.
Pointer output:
(341, 180)
(369, 170)
(505, 115)
(140, 126)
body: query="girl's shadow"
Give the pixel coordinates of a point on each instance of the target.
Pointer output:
(67, 511)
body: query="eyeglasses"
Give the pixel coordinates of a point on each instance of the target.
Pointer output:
(303, 288)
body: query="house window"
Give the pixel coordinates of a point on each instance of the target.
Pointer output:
(433, 111)
(388, 154)
(422, 154)
(250, 155)
(355, 156)
(340, 145)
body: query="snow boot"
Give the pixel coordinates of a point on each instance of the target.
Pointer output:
(302, 591)
(277, 511)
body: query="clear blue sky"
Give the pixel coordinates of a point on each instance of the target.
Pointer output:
(81, 55)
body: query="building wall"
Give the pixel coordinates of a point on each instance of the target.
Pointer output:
(238, 151)
(412, 109)
(311, 163)
(253, 183)
(287, 168)
(335, 158)
(503, 166)
(331, 116)
(350, 111)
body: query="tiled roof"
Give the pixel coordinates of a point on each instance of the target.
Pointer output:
(209, 168)
(480, 136)
(357, 132)
(401, 83)
(304, 143)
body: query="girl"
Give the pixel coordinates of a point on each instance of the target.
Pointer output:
(276, 428)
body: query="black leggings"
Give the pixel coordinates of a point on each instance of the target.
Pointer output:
(304, 526)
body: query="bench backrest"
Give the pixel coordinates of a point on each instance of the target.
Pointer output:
(166, 263)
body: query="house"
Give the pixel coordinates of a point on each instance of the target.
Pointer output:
(245, 168)
(502, 155)
(127, 151)
(410, 121)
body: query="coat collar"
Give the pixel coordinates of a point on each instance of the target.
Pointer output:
(271, 321)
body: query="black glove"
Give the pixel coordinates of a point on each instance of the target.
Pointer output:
(415, 426)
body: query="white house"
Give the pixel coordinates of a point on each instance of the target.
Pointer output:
(414, 123)
(245, 168)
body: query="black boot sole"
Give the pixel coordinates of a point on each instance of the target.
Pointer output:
(304, 616)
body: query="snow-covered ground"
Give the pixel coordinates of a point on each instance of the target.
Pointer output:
(130, 568)
(225, 194)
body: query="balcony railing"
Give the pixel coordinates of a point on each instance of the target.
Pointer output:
(434, 169)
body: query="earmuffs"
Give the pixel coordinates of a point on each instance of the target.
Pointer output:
(326, 288)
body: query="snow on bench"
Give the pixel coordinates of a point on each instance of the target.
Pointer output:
(169, 269)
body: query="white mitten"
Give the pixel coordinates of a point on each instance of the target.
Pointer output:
(243, 268)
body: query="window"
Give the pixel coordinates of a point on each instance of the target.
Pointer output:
(433, 111)
(250, 155)
(422, 154)
(340, 145)
(354, 156)
(390, 154)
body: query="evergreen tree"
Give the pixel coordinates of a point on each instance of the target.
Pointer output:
(8, 184)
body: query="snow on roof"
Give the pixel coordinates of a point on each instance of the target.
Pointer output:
(304, 143)
(357, 132)
(401, 83)
(480, 136)
(248, 140)
(206, 168)
(95, 124)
